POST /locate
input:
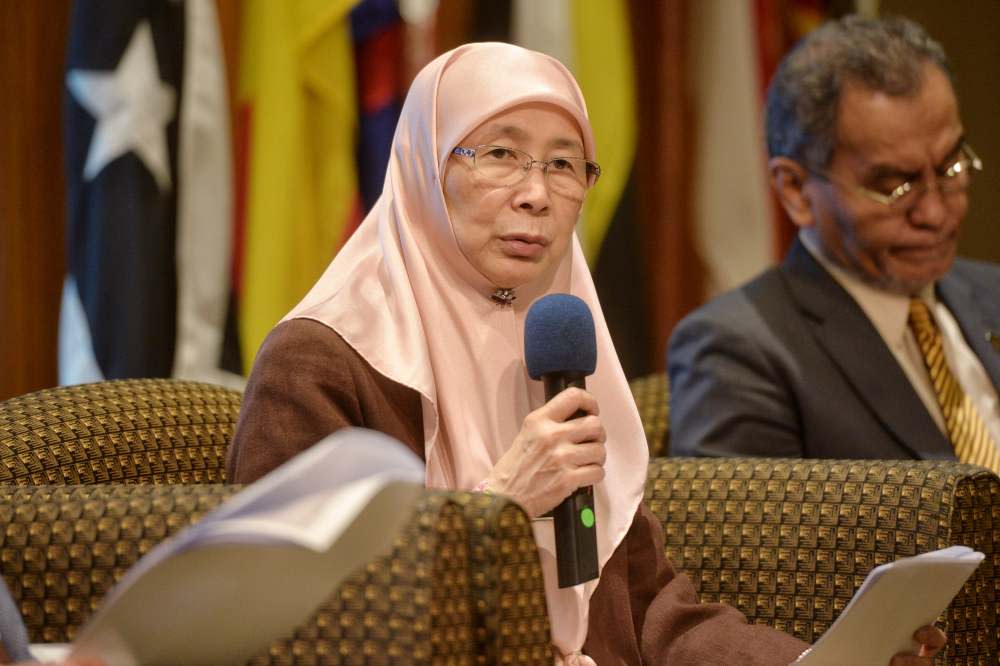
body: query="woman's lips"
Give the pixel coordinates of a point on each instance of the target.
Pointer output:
(523, 246)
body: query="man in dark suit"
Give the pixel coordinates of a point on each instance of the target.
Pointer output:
(872, 340)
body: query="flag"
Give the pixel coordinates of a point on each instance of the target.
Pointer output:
(377, 34)
(149, 193)
(609, 223)
(732, 205)
(593, 39)
(603, 65)
(663, 242)
(296, 172)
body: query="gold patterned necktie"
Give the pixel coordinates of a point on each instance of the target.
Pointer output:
(966, 430)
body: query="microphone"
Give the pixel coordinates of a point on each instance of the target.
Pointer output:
(560, 349)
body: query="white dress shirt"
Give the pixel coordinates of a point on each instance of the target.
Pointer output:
(889, 313)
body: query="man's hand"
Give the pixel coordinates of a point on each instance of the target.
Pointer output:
(554, 454)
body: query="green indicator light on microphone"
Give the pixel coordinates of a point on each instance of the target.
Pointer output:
(587, 516)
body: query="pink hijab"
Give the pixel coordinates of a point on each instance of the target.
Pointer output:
(403, 295)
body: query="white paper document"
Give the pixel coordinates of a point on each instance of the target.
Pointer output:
(895, 600)
(258, 566)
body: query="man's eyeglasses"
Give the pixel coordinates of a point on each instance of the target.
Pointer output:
(503, 166)
(955, 177)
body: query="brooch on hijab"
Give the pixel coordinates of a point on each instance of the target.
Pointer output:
(503, 296)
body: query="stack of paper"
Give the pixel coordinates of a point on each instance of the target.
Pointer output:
(895, 600)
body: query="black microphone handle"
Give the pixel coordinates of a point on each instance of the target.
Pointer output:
(574, 518)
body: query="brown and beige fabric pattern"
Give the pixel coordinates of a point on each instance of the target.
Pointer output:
(789, 541)
(63, 547)
(785, 541)
(652, 397)
(462, 586)
(126, 431)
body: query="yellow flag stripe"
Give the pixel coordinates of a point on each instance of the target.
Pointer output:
(604, 67)
(297, 75)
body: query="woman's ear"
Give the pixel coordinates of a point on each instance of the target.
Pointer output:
(788, 179)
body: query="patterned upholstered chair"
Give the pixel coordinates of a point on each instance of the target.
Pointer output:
(127, 431)
(652, 397)
(789, 541)
(786, 541)
(462, 586)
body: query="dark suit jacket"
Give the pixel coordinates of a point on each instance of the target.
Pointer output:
(789, 365)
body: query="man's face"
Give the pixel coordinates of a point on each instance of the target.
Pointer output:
(882, 142)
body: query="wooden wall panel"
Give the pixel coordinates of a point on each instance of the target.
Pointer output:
(32, 192)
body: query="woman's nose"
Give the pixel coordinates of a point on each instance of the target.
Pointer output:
(533, 190)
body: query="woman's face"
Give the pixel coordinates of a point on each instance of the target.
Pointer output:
(513, 234)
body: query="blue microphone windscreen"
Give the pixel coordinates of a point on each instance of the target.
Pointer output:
(559, 336)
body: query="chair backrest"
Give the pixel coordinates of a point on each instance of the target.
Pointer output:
(652, 397)
(463, 584)
(789, 541)
(125, 431)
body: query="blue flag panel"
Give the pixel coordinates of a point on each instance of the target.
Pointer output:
(124, 68)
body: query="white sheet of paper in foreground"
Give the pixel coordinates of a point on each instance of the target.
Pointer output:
(255, 568)
(895, 600)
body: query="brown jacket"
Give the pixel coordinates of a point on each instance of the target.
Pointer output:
(307, 383)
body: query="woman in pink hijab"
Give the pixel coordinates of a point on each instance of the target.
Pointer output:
(416, 328)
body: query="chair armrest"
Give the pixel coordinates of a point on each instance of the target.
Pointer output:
(507, 581)
(463, 579)
(788, 541)
(63, 547)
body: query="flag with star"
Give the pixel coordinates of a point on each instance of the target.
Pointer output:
(149, 181)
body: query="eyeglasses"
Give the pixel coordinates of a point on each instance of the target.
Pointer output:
(955, 177)
(503, 166)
